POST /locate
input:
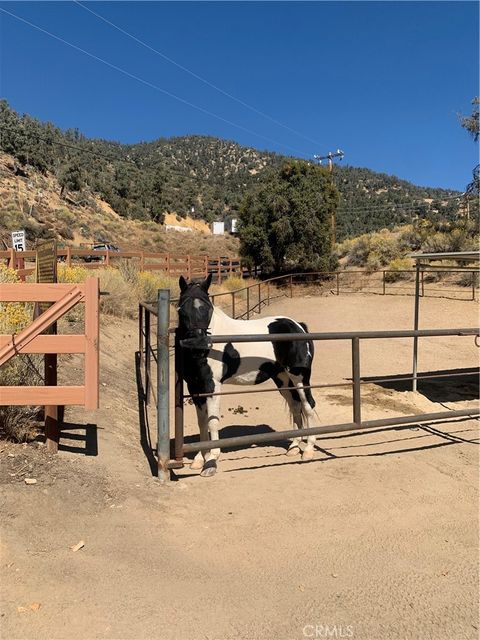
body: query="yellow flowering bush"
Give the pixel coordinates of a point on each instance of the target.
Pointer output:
(14, 316)
(71, 275)
(17, 422)
(148, 284)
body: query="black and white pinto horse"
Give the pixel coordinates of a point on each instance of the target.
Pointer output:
(205, 369)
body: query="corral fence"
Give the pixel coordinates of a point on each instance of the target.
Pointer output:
(243, 303)
(157, 383)
(459, 283)
(33, 340)
(170, 264)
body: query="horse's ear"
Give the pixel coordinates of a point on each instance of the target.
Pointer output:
(182, 283)
(207, 282)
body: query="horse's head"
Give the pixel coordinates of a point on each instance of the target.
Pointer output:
(194, 307)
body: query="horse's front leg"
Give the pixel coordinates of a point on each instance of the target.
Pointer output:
(211, 457)
(202, 417)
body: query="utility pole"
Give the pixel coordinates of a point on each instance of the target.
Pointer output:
(331, 155)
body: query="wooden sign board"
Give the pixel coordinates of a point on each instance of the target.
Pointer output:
(46, 270)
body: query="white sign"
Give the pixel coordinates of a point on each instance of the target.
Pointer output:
(18, 241)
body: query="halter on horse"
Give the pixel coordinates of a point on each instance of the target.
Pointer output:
(206, 368)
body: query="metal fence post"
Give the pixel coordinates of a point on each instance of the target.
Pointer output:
(140, 333)
(148, 356)
(291, 286)
(248, 303)
(473, 285)
(179, 430)
(357, 415)
(233, 304)
(415, 327)
(259, 297)
(338, 283)
(384, 282)
(163, 384)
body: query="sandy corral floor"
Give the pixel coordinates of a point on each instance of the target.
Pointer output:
(377, 538)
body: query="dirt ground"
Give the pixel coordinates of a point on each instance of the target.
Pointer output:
(376, 539)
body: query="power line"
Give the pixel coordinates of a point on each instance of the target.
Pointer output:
(195, 75)
(150, 84)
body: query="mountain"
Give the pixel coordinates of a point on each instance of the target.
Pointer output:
(203, 177)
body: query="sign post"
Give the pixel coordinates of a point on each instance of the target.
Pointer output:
(46, 272)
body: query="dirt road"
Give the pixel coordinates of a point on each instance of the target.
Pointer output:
(377, 538)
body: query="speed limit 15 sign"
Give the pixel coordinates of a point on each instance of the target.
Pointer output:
(18, 240)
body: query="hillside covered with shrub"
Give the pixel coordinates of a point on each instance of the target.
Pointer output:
(202, 176)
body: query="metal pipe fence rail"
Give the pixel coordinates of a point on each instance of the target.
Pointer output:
(246, 301)
(174, 459)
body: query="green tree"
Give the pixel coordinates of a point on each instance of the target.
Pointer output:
(71, 177)
(472, 123)
(285, 222)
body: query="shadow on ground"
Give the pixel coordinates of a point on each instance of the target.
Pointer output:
(455, 385)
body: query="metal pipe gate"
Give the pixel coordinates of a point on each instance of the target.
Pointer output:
(174, 459)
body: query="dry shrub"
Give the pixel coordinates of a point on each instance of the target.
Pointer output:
(18, 423)
(232, 283)
(399, 269)
(149, 283)
(120, 297)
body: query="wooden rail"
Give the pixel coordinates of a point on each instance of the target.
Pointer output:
(30, 340)
(170, 264)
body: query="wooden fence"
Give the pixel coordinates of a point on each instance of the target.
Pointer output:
(30, 340)
(170, 264)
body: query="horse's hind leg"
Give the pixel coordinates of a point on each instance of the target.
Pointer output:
(202, 417)
(291, 397)
(307, 404)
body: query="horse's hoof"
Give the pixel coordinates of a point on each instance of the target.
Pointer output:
(196, 464)
(293, 451)
(209, 469)
(307, 456)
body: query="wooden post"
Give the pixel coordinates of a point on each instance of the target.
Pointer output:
(52, 427)
(168, 264)
(189, 266)
(91, 343)
(11, 258)
(142, 261)
(205, 266)
(107, 258)
(69, 257)
(219, 270)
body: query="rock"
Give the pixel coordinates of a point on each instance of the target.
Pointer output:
(30, 481)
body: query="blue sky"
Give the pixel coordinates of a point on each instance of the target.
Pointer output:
(383, 81)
